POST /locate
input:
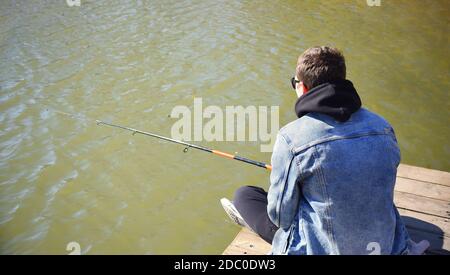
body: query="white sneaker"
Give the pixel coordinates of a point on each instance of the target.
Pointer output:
(232, 212)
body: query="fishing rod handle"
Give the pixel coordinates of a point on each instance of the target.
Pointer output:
(254, 162)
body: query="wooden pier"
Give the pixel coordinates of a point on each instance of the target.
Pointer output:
(422, 197)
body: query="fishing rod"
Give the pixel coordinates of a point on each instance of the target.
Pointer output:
(189, 145)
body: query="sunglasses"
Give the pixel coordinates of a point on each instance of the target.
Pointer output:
(294, 82)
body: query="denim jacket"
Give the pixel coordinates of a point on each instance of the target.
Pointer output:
(332, 187)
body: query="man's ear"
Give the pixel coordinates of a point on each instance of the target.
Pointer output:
(303, 88)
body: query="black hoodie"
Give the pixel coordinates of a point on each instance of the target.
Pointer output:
(337, 99)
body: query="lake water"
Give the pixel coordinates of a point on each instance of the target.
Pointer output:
(132, 62)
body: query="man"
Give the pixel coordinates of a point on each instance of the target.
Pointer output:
(334, 170)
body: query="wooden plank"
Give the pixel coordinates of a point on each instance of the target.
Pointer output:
(247, 243)
(422, 204)
(241, 245)
(423, 174)
(422, 188)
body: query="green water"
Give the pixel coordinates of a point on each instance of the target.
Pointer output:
(131, 62)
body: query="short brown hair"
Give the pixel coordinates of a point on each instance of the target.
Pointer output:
(318, 65)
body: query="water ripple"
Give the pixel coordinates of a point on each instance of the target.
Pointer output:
(131, 62)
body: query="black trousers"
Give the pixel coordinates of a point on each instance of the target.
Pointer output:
(251, 202)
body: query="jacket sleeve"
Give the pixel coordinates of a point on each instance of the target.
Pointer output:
(283, 195)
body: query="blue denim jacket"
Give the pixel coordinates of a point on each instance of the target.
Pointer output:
(332, 187)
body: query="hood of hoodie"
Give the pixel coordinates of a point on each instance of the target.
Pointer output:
(337, 99)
